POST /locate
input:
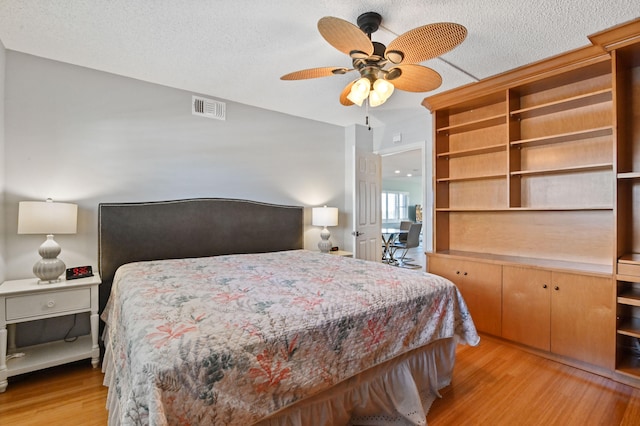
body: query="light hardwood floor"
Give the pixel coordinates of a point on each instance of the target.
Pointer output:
(417, 257)
(499, 384)
(494, 384)
(67, 395)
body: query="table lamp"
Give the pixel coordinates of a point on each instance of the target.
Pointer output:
(324, 216)
(48, 218)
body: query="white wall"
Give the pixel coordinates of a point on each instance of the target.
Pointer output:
(85, 136)
(412, 130)
(2, 166)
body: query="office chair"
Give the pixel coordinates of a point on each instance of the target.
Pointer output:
(413, 241)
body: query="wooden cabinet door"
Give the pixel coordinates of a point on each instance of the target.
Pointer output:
(451, 269)
(583, 318)
(526, 306)
(481, 287)
(482, 290)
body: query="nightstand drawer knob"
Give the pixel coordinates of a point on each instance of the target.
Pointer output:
(51, 303)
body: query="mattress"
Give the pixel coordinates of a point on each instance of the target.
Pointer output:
(240, 339)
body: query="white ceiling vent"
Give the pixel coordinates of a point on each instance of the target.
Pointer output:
(208, 108)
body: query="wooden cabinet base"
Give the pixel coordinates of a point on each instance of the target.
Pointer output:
(568, 315)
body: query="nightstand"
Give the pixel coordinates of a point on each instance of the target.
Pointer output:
(26, 300)
(341, 253)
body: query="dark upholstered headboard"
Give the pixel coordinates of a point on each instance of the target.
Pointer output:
(131, 232)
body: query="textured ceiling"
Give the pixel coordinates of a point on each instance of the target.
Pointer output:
(237, 50)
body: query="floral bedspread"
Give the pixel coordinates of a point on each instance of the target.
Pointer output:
(232, 339)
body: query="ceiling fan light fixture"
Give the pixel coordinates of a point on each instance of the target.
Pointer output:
(359, 91)
(381, 91)
(375, 99)
(383, 88)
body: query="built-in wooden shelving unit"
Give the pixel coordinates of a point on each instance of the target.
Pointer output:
(538, 165)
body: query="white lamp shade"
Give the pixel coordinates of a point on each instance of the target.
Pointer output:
(40, 217)
(324, 216)
(375, 99)
(384, 88)
(359, 91)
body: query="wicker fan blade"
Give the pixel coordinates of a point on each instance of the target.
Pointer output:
(315, 73)
(343, 96)
(426, 42)
(345, 36)
(416, 78)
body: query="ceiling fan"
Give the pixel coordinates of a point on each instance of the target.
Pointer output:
(383, 68)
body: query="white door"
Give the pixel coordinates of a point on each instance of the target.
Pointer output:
(367, 213)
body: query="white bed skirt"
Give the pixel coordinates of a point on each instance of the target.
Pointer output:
(398, 392)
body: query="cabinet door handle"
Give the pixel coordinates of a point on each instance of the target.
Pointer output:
(544, 286)
(464, 273)
(457, 272)
(51, 303)
(556, 288)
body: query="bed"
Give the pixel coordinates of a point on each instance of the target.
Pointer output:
(217, 315)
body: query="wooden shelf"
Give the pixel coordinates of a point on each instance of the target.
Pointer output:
(630, 258)
(474, 151)
(628, 265)
(628, 278)
(471, 209)
(475, 125)
(630, 297)
(562, 208)
(565, 104)
(629, 175)
(584, 168)
(526, 209)
(471, 178)
(628, 268)
(630, 327)
(565, 137)
(629, 365)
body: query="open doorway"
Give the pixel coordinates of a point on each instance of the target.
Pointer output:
(403, 194)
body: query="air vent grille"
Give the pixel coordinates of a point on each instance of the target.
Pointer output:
(208, 108)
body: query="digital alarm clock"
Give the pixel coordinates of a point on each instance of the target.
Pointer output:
(79, 272)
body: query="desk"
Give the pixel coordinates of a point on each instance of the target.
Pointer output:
(388, 237)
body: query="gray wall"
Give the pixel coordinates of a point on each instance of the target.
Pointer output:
(85, 136)
(2, 166)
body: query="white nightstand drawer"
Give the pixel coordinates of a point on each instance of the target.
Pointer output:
(54, 302)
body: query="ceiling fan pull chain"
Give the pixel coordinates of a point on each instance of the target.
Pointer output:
(367, 115)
